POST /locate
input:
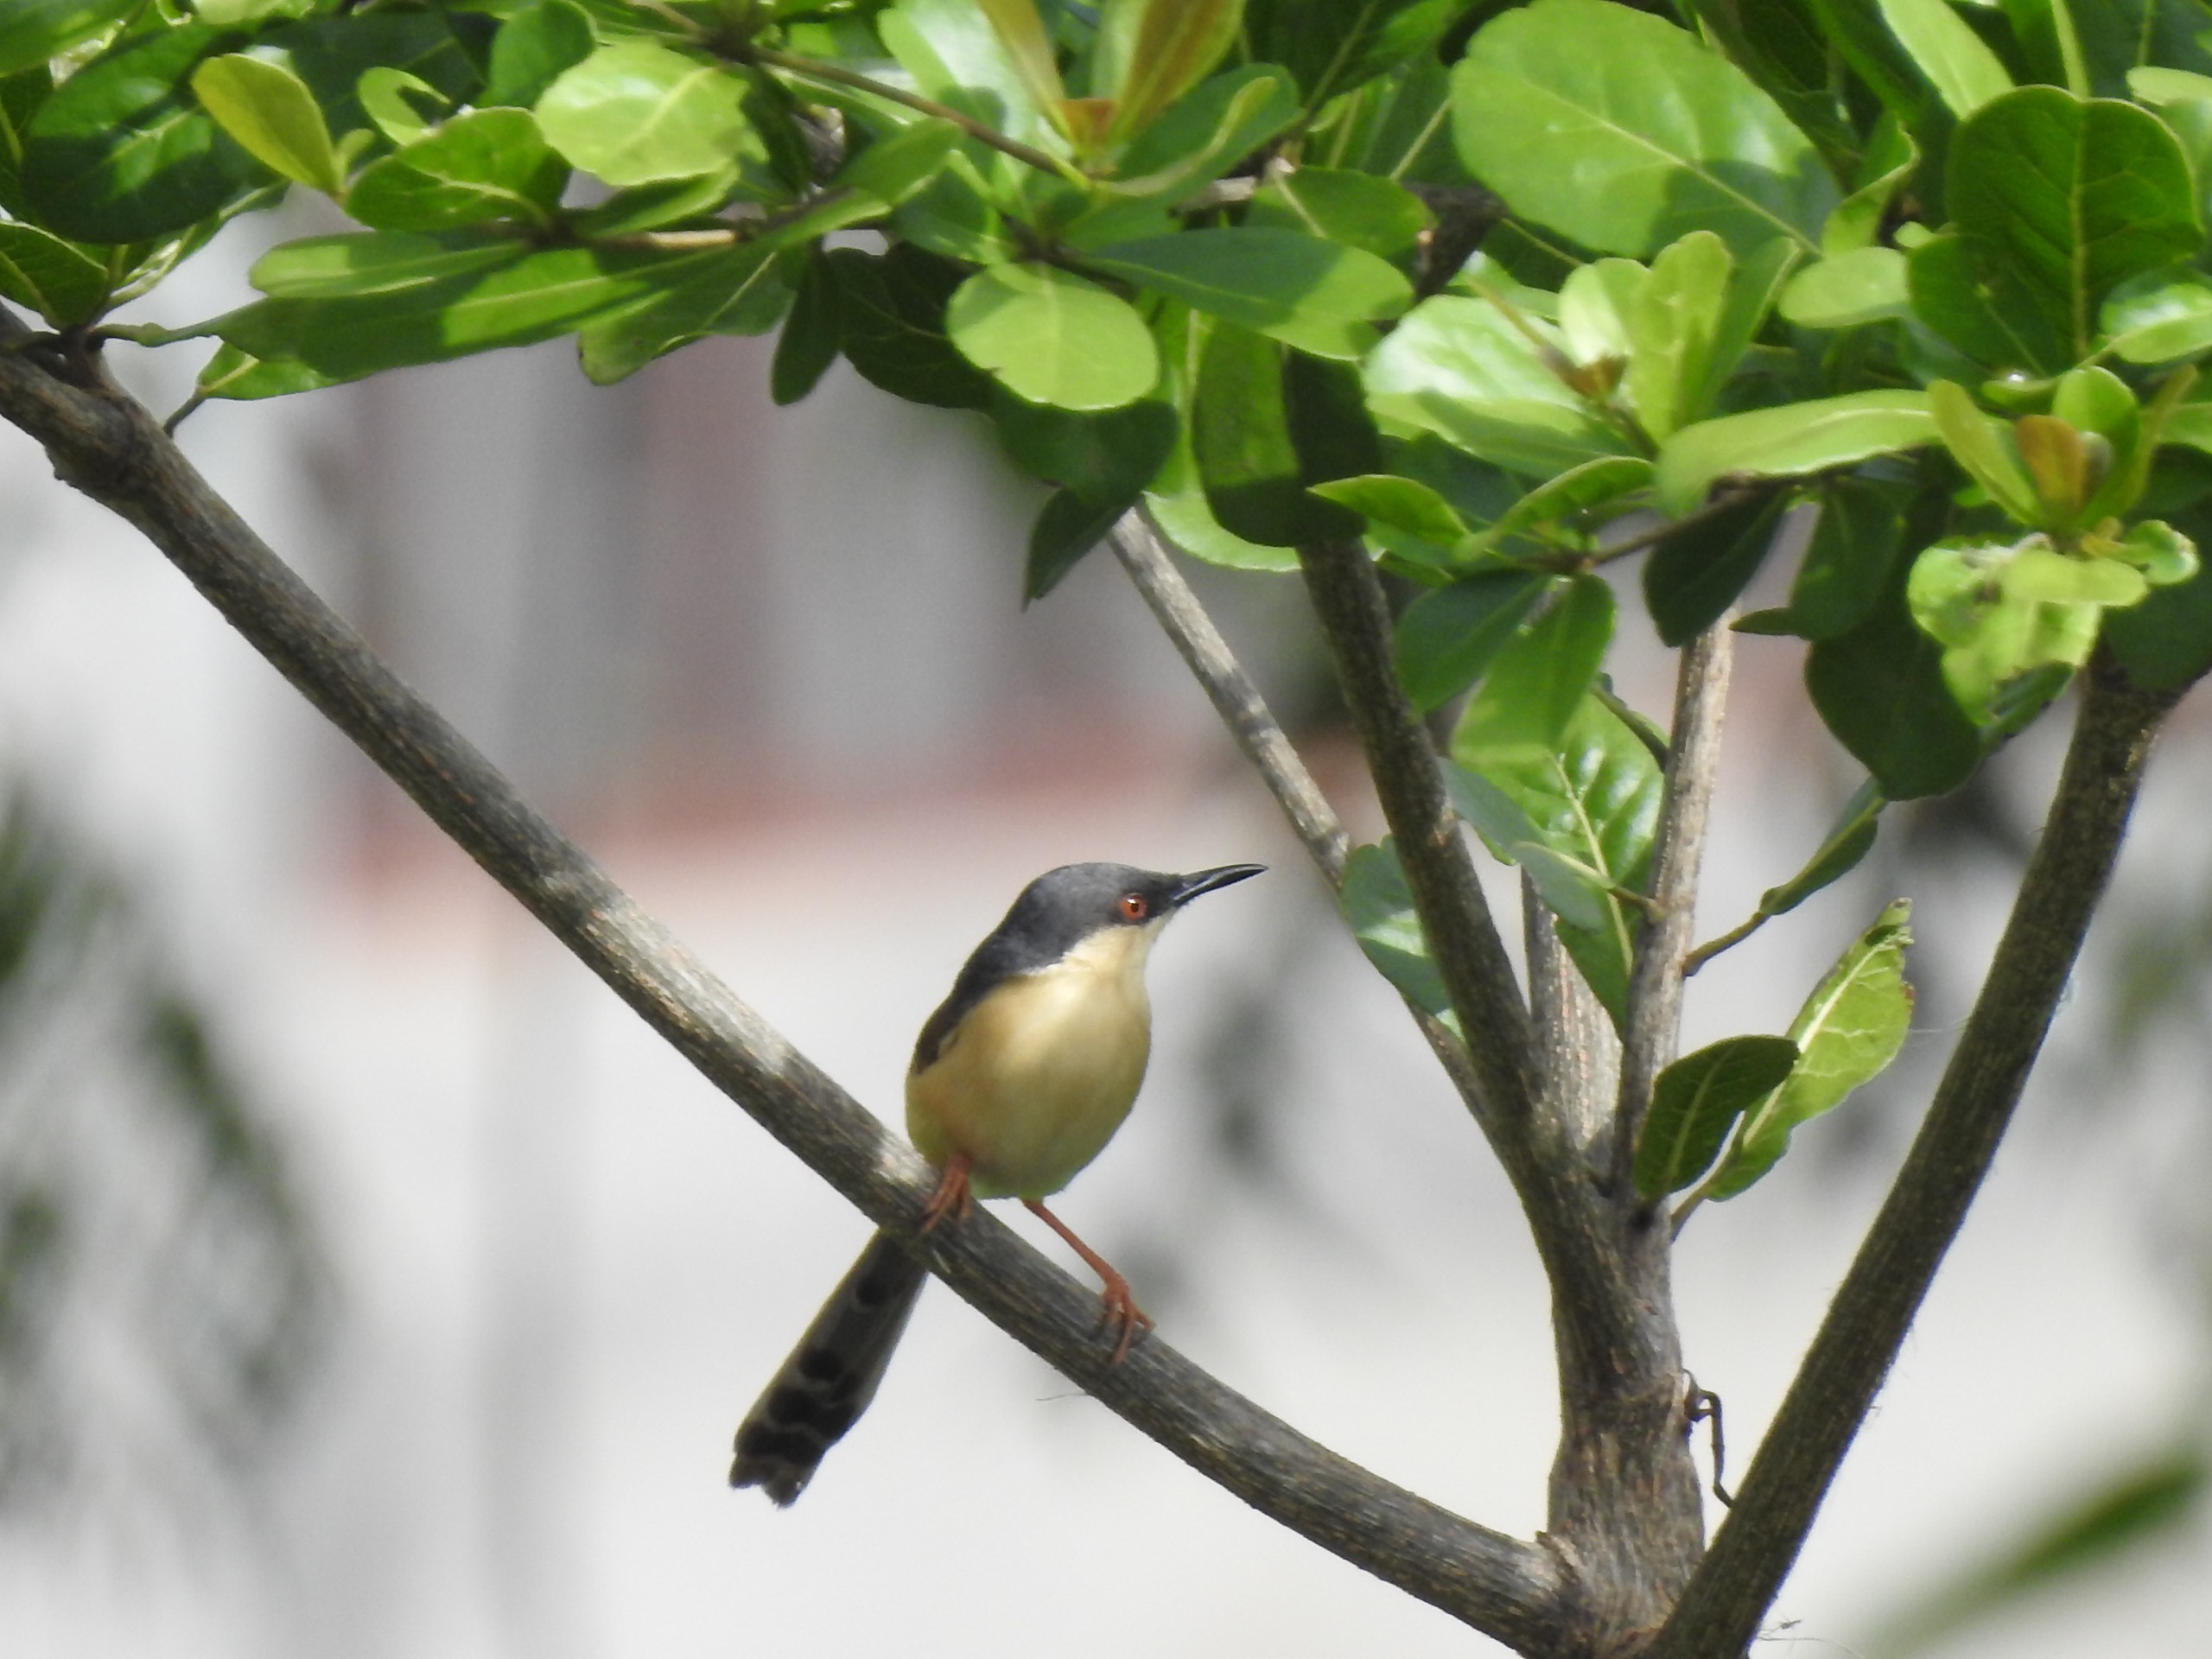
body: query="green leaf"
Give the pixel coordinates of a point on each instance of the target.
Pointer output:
(232, 375)
(1357, 210)
(2045, 30)
(809, 342)
(2057, 202)
(529, 297)
(1845, 289)
(1021, 35)
(1960, 308)
(1594, 799)
(1052, 336)
(1223, 121)
(1564, 504)
(1779, 44)
(58, 280)
(1880, 689)
(898, 166)
(31, 31)
(1848, 841)
(1379, 905)
(534, 47)
(1694, 573)
(1333, 48)
(891, 307)
(1154, 51)
(249, 11)
(1065, 529)
(1314, 294)
(1262, 424)
(1849, 1028)
(2164, 317)
(2165, 642)
(733, 290)
(1459, 368)
(1177, 506)
(1789, 440)
(955, 56)
(1987, 450)
(2004, 612)
(339, 267)
(1694, 1104)
(272, 115)
(1965, 74)
(1402, 509)
(401, 106)
(2098, 1532)
(1672, 322)
(634, 112)
(1624, 132)
(1102, 459)
(123, 152)
(1536, 684)
(331, 54)
(486, 164)
(1446, 640)
(1847, 565)
(1856, 223)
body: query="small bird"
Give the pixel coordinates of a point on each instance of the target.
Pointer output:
(1018, 1081)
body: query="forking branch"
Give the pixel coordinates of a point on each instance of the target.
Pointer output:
(104, 444)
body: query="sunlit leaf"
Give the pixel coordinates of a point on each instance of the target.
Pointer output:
(1849, 1030)
(1694, 1104)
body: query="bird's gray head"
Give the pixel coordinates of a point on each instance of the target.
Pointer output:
(1063, 907)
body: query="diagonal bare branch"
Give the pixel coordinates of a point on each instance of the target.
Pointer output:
(106, 445)
(1858, 1341)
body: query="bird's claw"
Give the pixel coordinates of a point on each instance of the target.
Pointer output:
(955, 1198)
(1118, 1309)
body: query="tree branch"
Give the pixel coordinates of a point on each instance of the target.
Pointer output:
(1726, 1598)
(1238, 702)
(1356, 620)
(1623, 1492)
(104, 444)
(1654, 993)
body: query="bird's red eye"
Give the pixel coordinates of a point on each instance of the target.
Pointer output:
(1135, 907)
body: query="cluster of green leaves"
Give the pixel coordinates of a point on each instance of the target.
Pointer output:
(1726, 1112)
(1934, 277)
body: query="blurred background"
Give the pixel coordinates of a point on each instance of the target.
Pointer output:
(372, 1284)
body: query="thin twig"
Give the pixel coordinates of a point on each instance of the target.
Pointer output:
(982, 132)
(1858, 1341)
(1655, 993)
(1726, 501)
(1226, 685)
(104, 443)
(1143, 552)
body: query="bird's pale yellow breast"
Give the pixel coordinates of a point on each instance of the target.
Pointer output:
(1035, 1079)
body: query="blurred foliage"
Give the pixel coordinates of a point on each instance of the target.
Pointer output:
(2139, 1507)
(161, 1290)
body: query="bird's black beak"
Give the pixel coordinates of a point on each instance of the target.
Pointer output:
(1188, 887)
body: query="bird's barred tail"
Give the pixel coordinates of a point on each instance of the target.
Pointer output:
(832, 1375)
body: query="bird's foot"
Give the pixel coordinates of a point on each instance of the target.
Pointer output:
(1117, 1306)
(955, 1198)
(1118, 1311)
